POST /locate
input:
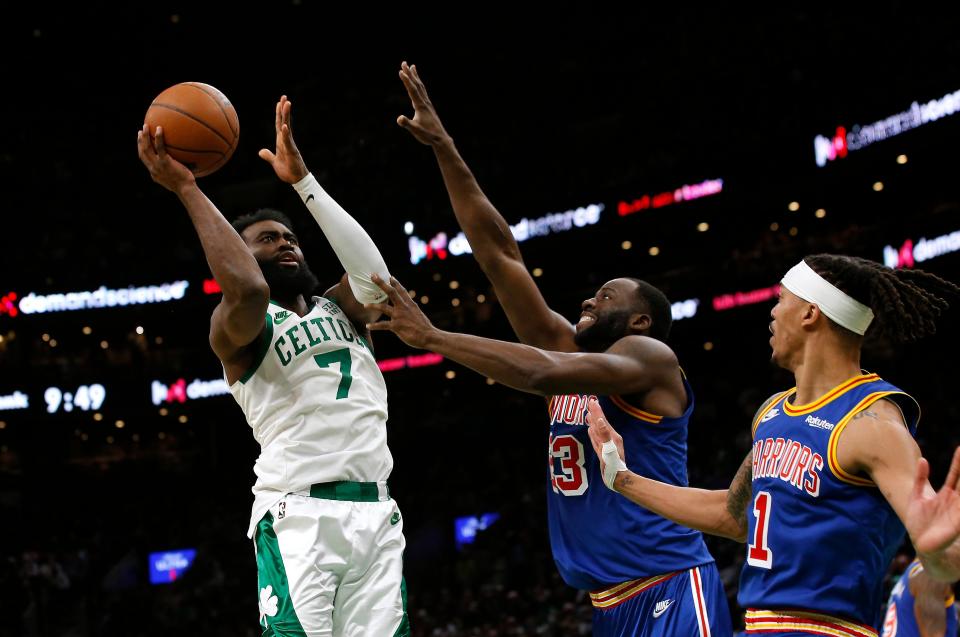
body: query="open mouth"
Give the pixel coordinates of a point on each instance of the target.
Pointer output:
(585, 320)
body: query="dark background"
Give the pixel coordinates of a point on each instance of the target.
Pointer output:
(553, 111)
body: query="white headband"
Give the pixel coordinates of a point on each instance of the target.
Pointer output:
(839, 307)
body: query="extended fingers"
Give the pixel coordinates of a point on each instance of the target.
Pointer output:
(408, 84)
(143, 142)
(954, 474)
(920, 478)
(383, 308)
(401, 291)
(595, 414)
(395, 290)
(595, 440)
(286, 109)
(380, 326)
(383, 285)
(159, 143)
(597, 421)
(412, 82)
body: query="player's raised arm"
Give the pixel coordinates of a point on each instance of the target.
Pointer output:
(487, 231)
(353, 246)
(239, 318)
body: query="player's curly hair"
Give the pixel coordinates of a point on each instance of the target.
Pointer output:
(906, 303)
(243, 222)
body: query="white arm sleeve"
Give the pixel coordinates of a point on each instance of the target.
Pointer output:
(353, 246)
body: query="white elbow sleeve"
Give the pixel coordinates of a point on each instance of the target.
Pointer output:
(351, 243)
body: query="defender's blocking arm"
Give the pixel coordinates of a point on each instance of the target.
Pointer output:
(489, 234)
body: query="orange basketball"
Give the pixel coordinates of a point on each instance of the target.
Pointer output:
(200, 125)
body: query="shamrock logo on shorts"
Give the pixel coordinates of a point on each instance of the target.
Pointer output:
(268, 603)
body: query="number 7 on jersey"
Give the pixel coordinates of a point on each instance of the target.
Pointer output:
(341, 356)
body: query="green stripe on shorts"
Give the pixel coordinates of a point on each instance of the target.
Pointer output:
(276, 608)
(403, 630)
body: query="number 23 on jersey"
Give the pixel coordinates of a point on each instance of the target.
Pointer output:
(568, 475)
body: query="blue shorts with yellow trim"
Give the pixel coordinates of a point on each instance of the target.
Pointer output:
(679, 604)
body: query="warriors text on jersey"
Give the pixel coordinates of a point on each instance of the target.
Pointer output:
(598, 536)
(819, 539)
(901, 619)
(316, 402)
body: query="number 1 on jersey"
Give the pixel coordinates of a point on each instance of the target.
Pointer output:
(341, 356)
(759, 553)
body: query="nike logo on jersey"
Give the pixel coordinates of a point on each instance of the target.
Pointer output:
(662, 607)
(773, 413)
(309, 197)
(280, 317)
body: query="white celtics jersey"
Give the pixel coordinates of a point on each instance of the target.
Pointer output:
(316, 402)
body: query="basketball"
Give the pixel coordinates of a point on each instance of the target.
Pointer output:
(200, 125)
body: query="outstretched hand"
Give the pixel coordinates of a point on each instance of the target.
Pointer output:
(286, 160)
(405, 318)
(425, 125)
(607, 443)
(933, 518)
(164, 169)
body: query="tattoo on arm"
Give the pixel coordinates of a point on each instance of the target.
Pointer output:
(740, 492)
(865, 412)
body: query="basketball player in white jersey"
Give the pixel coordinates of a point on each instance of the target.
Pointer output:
(327, 535)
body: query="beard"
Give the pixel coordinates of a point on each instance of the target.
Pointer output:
(605, 331)
(286, 283)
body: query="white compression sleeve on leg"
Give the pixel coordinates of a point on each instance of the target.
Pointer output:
(612, 464)
(353, 246)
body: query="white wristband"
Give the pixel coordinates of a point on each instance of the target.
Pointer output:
(613, 464)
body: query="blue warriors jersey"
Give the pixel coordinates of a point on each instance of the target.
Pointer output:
(598, 536)
(819, 539)
(901, 620)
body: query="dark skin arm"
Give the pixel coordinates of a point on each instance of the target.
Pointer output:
(717, 512)
(634, 364)
(487, 231)
(239, 318)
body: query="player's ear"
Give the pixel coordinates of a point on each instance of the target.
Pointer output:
(810, 315)
(639, 323)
